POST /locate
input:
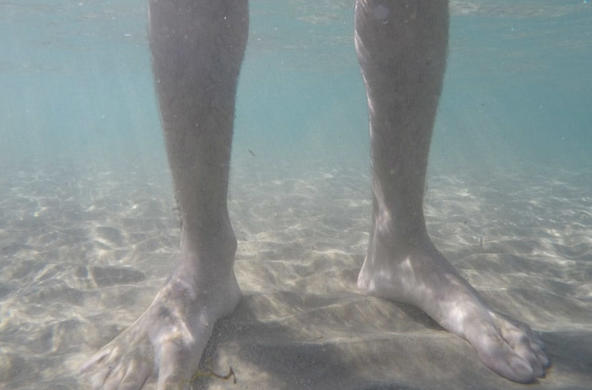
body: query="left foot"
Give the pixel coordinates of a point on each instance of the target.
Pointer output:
(416, 273)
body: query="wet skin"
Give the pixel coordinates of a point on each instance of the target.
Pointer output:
(197, 48)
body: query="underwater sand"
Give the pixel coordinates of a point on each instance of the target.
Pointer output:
(83, 251)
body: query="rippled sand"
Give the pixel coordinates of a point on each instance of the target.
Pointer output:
(82, 251)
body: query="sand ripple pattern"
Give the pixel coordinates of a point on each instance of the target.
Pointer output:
(82, 253)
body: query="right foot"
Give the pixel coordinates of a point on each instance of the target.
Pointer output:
(168, 339)
(419, 275)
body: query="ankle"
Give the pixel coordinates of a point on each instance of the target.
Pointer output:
(207, 256)
(401, 236)
(399, 226)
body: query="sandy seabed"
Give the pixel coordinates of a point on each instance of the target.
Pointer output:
(83, 251)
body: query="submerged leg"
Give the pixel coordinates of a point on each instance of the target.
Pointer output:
(401, 47)
(197, 48)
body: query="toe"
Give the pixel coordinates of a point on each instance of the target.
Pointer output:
(136, 376)
(98, 378)
(537, 346)
(525, 343)
(509, 365)
(96, 359)
(543, 359)
(521, 370)
(526, 352)
(500, 355)
(174, 368)
(114, 379)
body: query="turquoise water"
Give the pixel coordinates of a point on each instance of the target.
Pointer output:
(76, 82)
(87, 222)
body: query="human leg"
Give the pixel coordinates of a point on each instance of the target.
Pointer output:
(197, 48)
(401, 47)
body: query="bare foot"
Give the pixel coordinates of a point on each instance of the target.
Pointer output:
(418, 274)
(168, 339)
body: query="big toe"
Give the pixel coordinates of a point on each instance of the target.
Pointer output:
(526, 344)
(535, 357)
(521, 370)
(511, 366)
(177, 364)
